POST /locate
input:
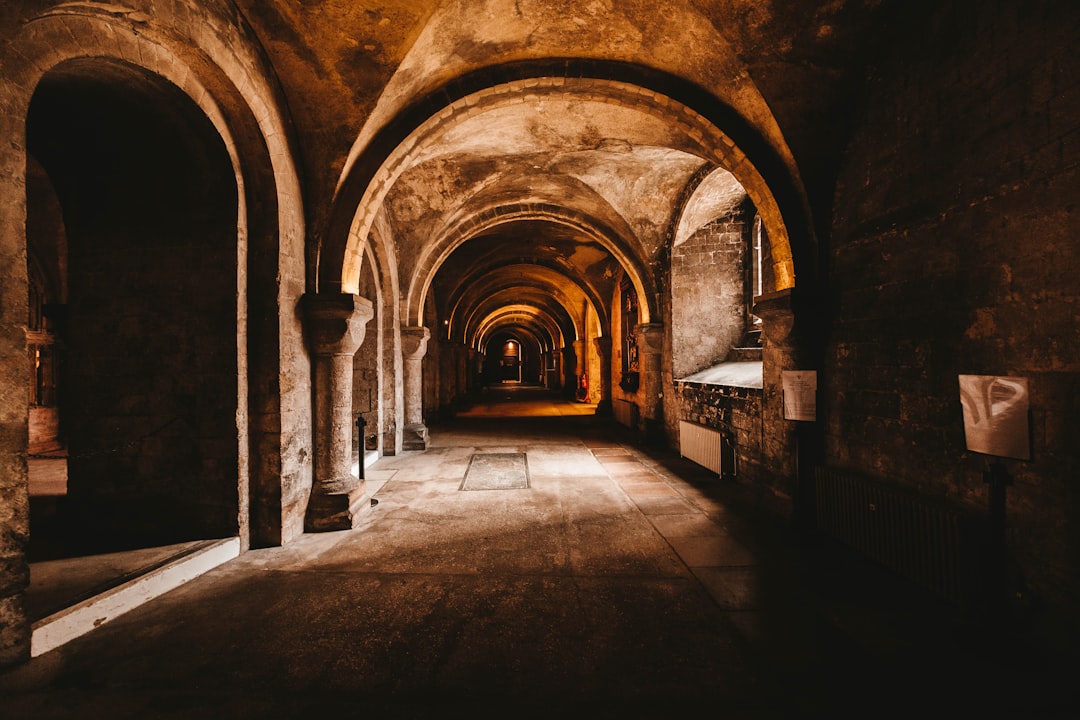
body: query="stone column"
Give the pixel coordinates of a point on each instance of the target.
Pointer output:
(788, 446)
(650, 342)
(335, 330)
(567, 367)
(414, 342)
(603, 349)
(581, 367)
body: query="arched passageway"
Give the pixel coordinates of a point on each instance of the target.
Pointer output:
(551, 197)
(681, 213)
(146, 384)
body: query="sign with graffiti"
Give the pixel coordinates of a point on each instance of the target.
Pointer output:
(996, 415)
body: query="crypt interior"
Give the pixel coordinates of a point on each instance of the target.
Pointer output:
(281, 276)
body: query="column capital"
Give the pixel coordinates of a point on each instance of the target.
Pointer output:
(777, 318)
(336, 321)
(650, 337)
(414, 340)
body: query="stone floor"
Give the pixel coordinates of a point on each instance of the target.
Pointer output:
(621, 583)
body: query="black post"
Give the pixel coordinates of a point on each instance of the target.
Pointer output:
(806, 463)
(361, 423)
(998, 478)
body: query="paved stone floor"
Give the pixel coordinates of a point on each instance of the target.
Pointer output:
(622, 583)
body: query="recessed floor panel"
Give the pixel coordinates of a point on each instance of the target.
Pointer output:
(496, 471)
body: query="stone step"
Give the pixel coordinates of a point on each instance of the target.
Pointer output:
(82, 617)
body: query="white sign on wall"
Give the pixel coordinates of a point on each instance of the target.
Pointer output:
(800, 394)
(996, 415)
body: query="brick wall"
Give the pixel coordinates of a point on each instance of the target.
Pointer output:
(954, 250)
(149, 198)
(707, 293)
(737, 412)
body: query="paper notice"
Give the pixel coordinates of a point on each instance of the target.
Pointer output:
(800, 394)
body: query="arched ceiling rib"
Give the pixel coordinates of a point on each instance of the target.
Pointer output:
(612, 161)
(561, 327)
(575, 181)
(570, 276)
(565, 301)
(516, 319)
(762, 74)
(606, 151)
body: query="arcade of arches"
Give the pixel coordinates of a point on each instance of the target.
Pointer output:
(247, 244)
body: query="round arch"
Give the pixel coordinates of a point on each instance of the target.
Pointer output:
(722, 135)
(243, 113)
(440, 249)
(546, 329)
(568, 326)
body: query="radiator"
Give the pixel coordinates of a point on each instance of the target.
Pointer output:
(928, 542)
(625, 412)
(700, 444)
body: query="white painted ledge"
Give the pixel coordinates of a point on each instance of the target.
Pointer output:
(66, 625)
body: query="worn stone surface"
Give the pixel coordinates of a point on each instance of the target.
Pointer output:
(487, 171)
(622, 583)
(954, 246)
(708, 293)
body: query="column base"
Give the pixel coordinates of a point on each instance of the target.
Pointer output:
(332, 509)
(414, 437)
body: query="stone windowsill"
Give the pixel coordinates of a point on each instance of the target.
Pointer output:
(739, 374)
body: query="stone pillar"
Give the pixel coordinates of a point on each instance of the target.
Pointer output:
(414, 342)
(579, 357)
(476, 367)
(603, 349)
(569, 377)
(788, 447)
(335, 330)
(580, 370)
(650, 342)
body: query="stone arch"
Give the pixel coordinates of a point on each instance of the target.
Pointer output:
(436, 252)
(543, 292)
(707, 272)
(720, 133)
(382, 255)
(242, 111)
(549, 333)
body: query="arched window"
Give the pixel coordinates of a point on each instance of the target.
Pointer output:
(761, 279)
(756, 240)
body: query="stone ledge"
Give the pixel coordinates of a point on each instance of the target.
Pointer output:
(740, 374)
(66, 625)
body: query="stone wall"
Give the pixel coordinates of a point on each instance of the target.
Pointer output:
(152, 369)
(734, 411)
(954, 251)
(737, 413)
(708, 285)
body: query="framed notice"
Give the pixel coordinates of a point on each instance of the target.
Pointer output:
(800, 394)
(996, 415)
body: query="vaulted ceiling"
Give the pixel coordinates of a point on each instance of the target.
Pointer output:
(524, 153)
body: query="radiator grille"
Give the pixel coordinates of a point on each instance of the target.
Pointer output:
(625, 412)
(928, 542)
(700, 444)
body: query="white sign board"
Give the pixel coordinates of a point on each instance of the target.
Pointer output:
(996, 415)
(800, 394)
